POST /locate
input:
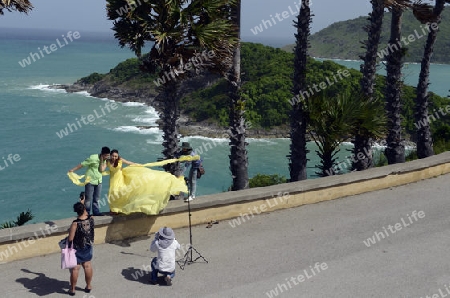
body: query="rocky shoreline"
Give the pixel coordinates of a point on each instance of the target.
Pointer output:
(186, 126)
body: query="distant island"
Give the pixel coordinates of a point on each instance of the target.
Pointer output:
(342, 40)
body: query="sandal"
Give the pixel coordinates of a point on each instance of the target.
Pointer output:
(211, 223)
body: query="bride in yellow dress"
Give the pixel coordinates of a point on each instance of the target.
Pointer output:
(139, 189)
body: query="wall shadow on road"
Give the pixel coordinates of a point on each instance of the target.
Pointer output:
(126, 229)
(42, 285)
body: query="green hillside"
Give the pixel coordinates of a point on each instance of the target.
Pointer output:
(342, 40)
(267, 84)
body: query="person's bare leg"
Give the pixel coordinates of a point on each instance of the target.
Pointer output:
(88, 272)
(74, 278)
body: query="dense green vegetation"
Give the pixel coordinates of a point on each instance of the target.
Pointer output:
(267, 88)
(127, 74)
(267, 83)
(343, 39)
(262, 180)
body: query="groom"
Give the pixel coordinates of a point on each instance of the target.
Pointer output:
(93, 189)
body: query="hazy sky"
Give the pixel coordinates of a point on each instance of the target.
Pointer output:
(90, 15)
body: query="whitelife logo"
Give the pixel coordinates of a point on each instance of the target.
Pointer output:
(395, 228)
(272, 21)
(49, 49)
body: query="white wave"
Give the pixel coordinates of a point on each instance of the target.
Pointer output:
(40, 86)
(227, 139)
(133, 104)
(86, 94)
(189, 138)
(378, 146)
(158, 140)
(147, 120)
(44, 87)
(257, 140)
(151, 110)
(347, 143)
(138, 130)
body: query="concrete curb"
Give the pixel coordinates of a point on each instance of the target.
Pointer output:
(18, 243)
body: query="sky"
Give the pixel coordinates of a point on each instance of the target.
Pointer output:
(273, 17)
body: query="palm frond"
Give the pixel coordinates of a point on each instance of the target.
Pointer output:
(24, 217)
(23, 6)
(399, 4)
(424, 12)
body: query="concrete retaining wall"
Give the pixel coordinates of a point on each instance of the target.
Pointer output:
(41, 239)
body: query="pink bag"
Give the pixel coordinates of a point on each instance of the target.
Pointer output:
(68, 258)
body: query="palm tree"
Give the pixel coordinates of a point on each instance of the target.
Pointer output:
(24, 6)
(334, 120)
(424, 140)
(395, 149)
(361, 143)
(238, 152)
(298, 117)
(178, 31)
(23, 218)
(331, 121)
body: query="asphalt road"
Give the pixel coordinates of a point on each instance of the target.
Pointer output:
(319, 250)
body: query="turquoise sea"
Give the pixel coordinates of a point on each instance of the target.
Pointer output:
(35, 156)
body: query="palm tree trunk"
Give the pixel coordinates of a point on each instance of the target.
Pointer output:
(298, 117)
(395, 150)
(369, 67)
(170, 114)
(363, 144)
(424, 140)
(238, 151)
(327, 160)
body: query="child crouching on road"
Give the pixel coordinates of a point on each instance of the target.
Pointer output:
(165, 244)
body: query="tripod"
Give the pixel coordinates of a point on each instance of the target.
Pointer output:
(187, 259)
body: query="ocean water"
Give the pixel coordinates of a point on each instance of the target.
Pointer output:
(43, 134)
(439, 75)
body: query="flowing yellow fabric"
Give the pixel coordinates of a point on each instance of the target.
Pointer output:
(167, 161)
(77, 179)
(139, 189)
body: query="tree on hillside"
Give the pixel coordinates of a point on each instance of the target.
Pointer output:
(179, 32)
(298, 116)
(424, 140)
(395, 148)
(361, 143)
(238, 152)
(24, 6)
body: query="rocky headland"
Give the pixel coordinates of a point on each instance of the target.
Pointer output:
(187, 127)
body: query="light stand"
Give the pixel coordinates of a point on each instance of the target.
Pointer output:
(187, 259)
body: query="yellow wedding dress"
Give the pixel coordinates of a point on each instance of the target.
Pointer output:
(140, 189)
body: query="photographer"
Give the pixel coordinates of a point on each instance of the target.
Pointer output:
(166, 245)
